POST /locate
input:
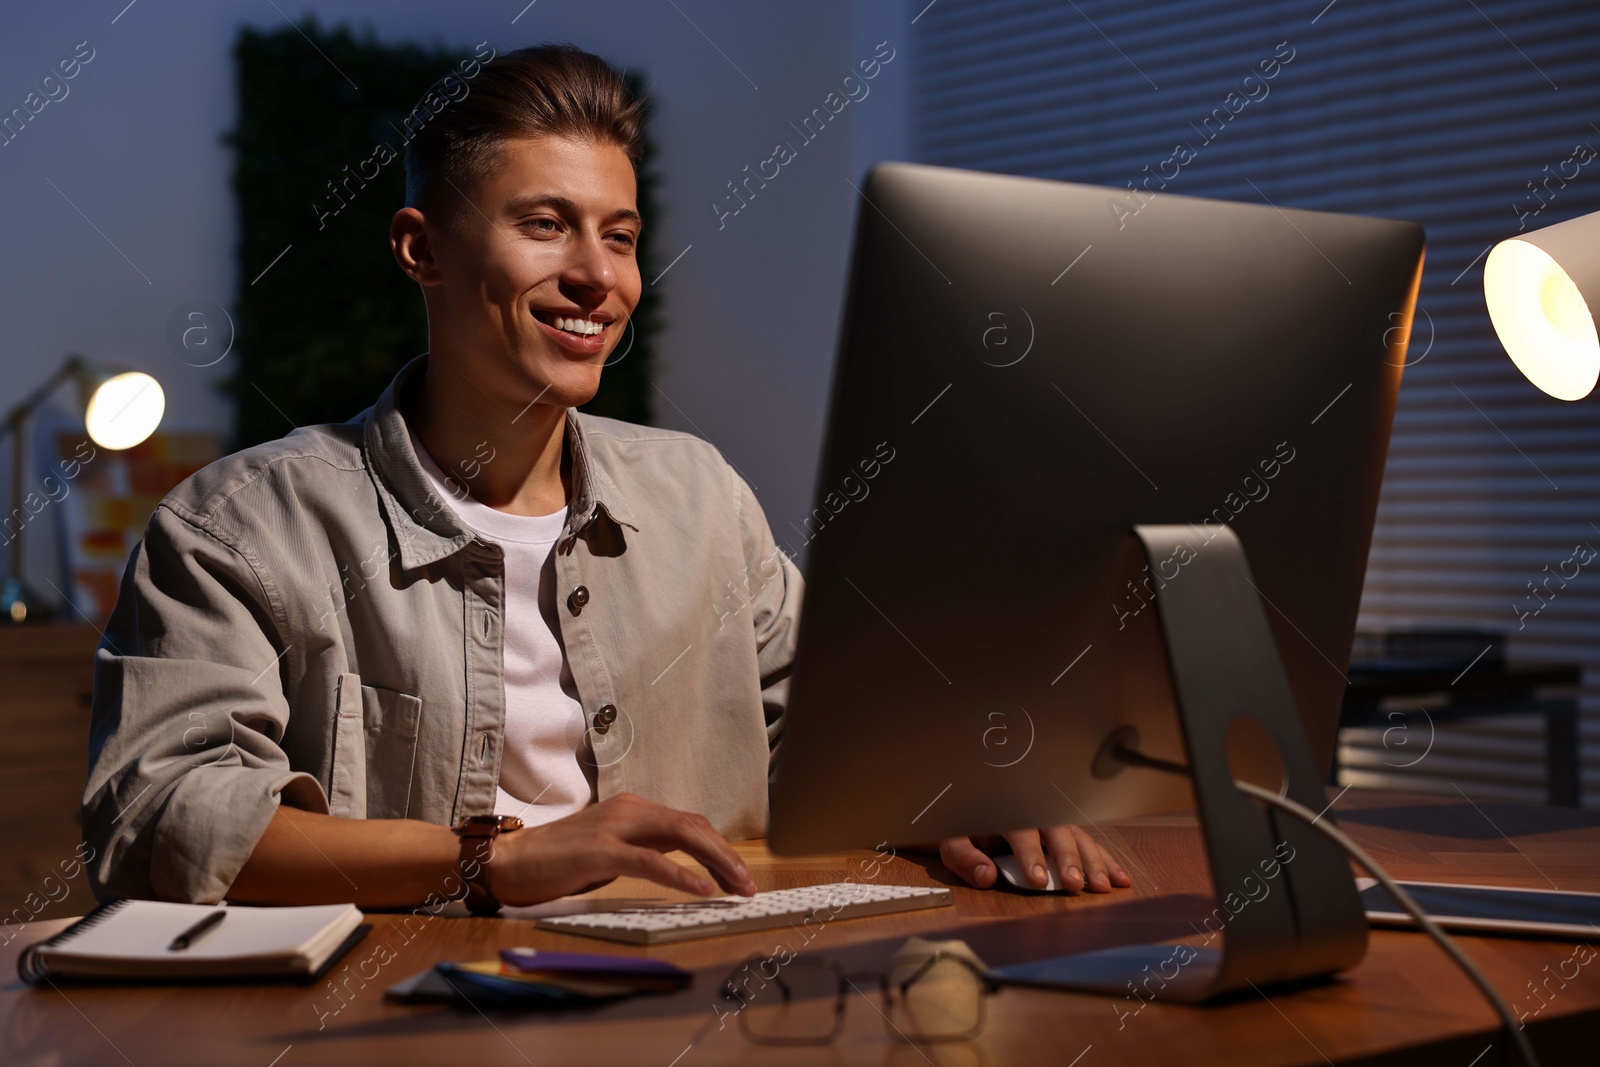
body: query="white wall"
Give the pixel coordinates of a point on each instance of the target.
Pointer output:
(751, 310)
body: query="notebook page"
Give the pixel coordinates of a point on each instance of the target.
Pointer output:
(142, 929)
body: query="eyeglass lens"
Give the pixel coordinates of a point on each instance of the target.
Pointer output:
(935, 1001)
(803, 1000)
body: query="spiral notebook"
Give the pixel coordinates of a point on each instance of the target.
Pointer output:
(132, 940)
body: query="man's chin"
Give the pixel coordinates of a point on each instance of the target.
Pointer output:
(566, 391)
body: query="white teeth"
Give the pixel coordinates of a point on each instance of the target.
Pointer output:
(583, 326)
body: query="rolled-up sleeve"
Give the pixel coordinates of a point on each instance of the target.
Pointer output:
(185, 768)
(776, 590)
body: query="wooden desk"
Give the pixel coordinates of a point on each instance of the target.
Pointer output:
(1404, 1004)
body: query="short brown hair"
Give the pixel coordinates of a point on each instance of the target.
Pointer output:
(548, 90)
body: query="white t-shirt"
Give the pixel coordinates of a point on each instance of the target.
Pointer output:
(547, 769)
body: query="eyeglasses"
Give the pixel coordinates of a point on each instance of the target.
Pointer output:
(927, 997)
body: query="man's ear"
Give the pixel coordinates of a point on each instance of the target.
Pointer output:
(412, 246)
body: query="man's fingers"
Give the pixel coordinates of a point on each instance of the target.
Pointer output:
(648, 863)
(1096, 866)
(1066, 856)
(1029, 851)
(1119, 877)
(967, 861)
(1101, 867)
(1101, 872)
(669, 829)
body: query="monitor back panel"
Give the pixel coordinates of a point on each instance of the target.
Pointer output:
(1026, 371)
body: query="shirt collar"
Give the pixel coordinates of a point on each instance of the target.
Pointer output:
(426, 529)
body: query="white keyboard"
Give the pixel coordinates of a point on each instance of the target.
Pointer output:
(732, 915)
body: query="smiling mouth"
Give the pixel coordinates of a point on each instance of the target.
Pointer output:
(577, 326)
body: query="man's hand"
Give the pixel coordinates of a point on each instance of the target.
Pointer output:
(306, 857)
(1080, 861)
(623, 834)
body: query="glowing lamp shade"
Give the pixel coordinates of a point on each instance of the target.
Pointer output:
(1543, 290)
(124, 410)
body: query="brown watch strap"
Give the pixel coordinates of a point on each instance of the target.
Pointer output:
(478, 834)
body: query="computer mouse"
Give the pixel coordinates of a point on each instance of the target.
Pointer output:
(1012, 876)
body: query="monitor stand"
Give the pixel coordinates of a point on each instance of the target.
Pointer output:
(1287, 905)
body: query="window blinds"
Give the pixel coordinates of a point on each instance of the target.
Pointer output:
(1475, 118)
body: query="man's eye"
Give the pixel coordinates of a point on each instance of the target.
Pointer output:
(541, 225)
(626, 240)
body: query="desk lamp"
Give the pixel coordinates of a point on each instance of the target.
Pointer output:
(120, 409)
(1543, 292)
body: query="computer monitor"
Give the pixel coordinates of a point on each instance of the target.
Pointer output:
(1028, 371)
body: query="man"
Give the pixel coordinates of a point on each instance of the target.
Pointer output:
(470, 600)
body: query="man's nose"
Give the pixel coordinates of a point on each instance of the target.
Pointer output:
(589, 265)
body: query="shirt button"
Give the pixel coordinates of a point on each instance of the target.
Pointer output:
(578, 598)
(604, 718)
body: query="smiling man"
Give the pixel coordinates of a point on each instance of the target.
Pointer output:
(359, 662)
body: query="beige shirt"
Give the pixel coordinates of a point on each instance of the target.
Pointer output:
(306, 619)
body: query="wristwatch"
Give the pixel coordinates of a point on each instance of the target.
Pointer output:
(477, 834)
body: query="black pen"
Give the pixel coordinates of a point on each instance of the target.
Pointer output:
(198, 930)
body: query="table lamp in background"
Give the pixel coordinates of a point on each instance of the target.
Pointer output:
(120, 409)
(1543, 290)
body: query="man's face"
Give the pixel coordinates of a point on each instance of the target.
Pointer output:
(534, 284)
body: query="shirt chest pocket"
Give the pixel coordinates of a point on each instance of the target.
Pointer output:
(374, 751)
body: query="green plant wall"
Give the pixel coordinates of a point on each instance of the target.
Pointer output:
(323, 315)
